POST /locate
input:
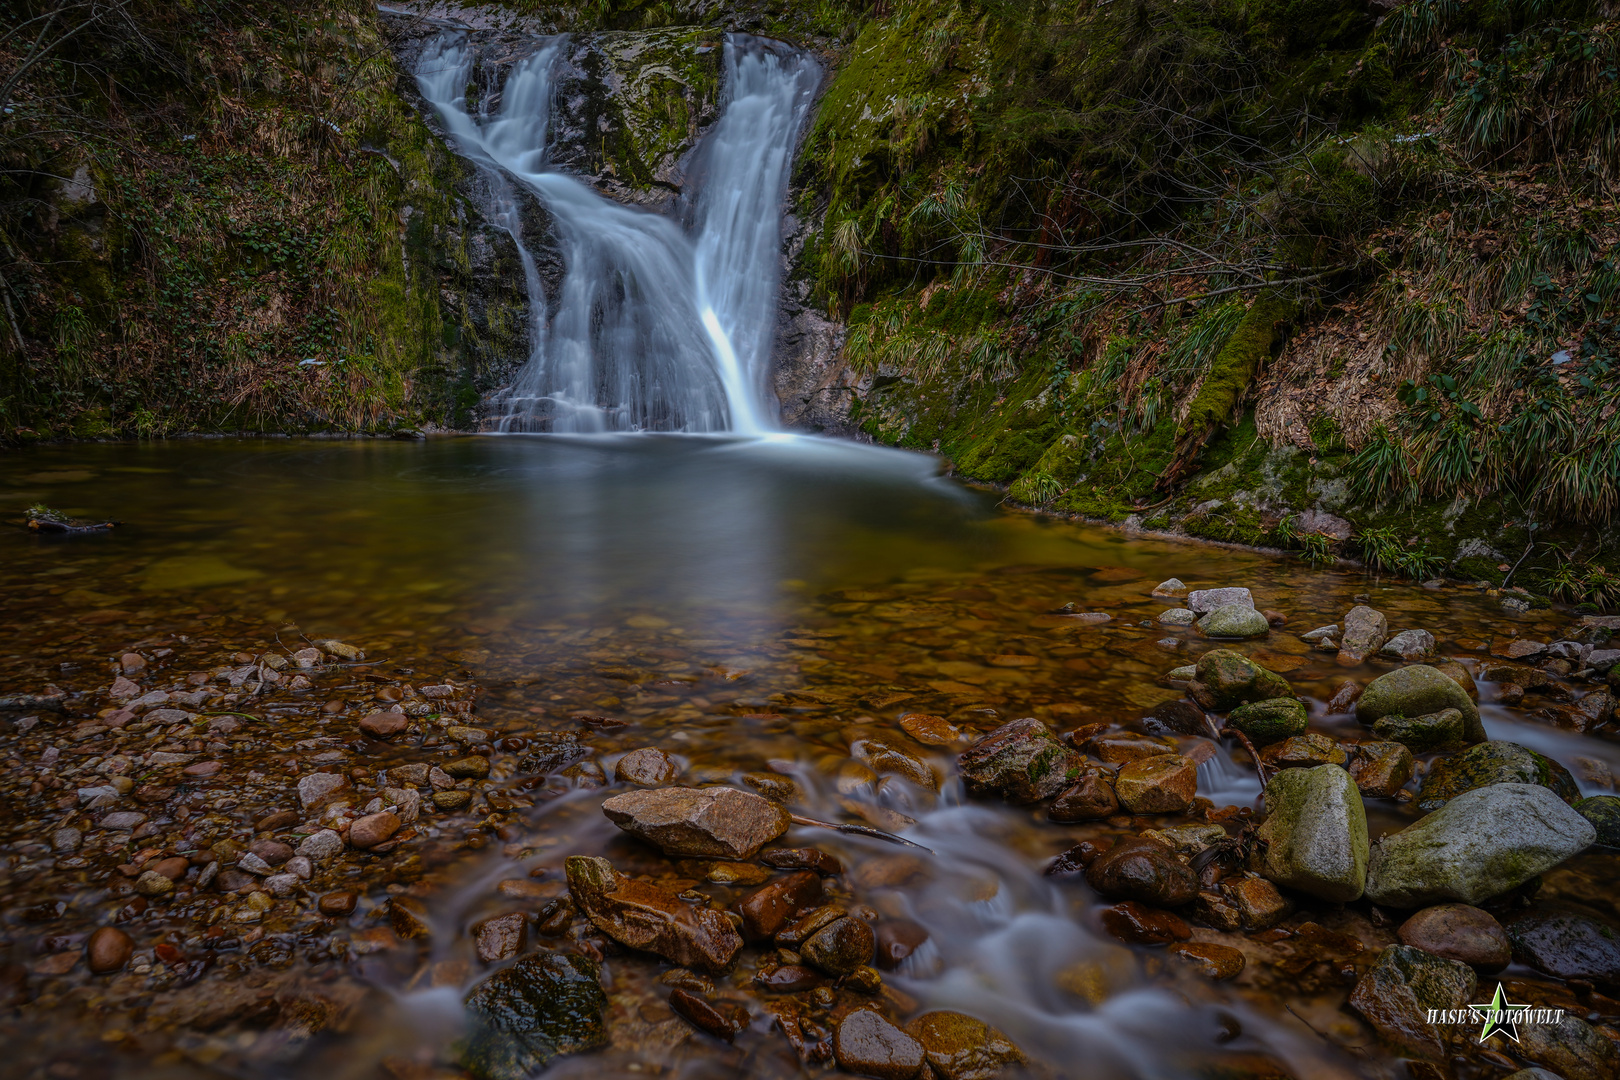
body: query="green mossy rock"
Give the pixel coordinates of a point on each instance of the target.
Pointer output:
(1493, 763)
(1022, 761)
(1224, 679)
(1316, 833)
(1270, 721)
(1397, 992)
(525, 1015)
(1603, 811)
(1443, 730)
(1234, 621)
(1418, 690)
(1480, 844)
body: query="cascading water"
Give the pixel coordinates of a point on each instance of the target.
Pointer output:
(654, 327)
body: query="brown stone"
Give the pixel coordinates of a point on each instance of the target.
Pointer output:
(724, 1019)
(1214, 908)
(962, 1047)
(502, 937)
(1365, 631)
(644, 916)
(896, 940)
(885, 759)
(767, 909)
(1400, 989)
(802, 859)
(866, 1044)
(475, 767)
(1304, 752)
(930, 730)
(1257, 900)
(408, 917)
(271, 851)
(1022, 761)
(1459, 932)
(1115, 747)
(373, 829)
(108, 950)
(805, 925)
(1180, 716)
(173, 868)
(841, 947)
(203, 770)
(717, 822)
(280, 819)
(1209, 959)
(384, 725)
(1140, 869)
(452, 800)
(788, 979)
(1344, 698)
(341, 902)
(1089, 800)
(1380, 769)
(1139, 924)
(648, 767)
(1165, 784)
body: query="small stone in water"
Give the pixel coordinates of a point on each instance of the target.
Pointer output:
(1211, 960)
(1203, 601)
(1089, 800)
(1165, 784)
(1022, 761)
(1171, 587)
(468, 768)
(318, 789)
(108, 950)
(337, 903)
(1566, 945)
(1459, 932)
(802, 859)
(373, 829)
(644, 916)
(896, 940)
(724, 1020)
(648, 767)
(1141, 869)
(766, 910)
(452, 800)
(1397, 993)
(961, 1047)
(501, 937)
(714, 822)
(1139, 924)
(384, 725)
(321, 846)
(153, 884)
(930, 730)
(841, 947)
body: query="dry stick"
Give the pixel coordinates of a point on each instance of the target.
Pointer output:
(858, 830)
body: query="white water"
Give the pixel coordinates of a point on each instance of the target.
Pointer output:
(654, 327)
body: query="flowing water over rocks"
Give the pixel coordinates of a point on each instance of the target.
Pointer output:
(307, 764)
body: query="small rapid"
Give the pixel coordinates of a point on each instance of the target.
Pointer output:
(654, 326)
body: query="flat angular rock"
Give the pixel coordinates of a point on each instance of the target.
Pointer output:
(1316, 833)
(384, 725)
(373, 829)
(500, 938)
(1365, 631)
(716, 822)
(767, 909)
(1022, 761)
(1380, 769)
(1091, 799)
(1234, 621)
(1396, 994)
(1211, 960)
(866, 1044)
(1409, 645)
(648, 767)
(722, 1019)
(1203, 601)
(318, 789)
(1567, 945)
(1138, 924)
(525, 1015)
(1480, 844)
(1163, 784)
(1490, 763)
(650, 918)
(1304, 752)
(1418, 690)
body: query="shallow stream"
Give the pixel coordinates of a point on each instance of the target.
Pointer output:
(751, 607)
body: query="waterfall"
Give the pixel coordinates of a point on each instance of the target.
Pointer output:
(655, 327)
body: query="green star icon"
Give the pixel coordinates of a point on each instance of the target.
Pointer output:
(1500, 1016)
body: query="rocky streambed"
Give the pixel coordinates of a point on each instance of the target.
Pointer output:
(1289, 823)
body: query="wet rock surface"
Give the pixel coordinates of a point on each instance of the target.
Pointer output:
(1418, 690)
(1315, 833)
(1567, 945)
(527, 1014)
(1459, 932)
(1021, 761)
(720, 821)
(1493, 763)
(1145, 870)
(644, 916)
(1395, 996)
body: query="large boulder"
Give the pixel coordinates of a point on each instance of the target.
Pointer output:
(1480, 844)
(525, 1015)
(1224, 679)
(1270, 721)
(1022, 761)
(1397, 993)
(1315, 833)
(716, 822)
(644, 916)
(1418, 690)
(1493, 763)
(1567, 945)
(1444, 730)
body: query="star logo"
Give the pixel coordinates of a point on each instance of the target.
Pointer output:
(1501, 1017)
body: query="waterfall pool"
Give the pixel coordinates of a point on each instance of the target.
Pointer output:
(773, 614)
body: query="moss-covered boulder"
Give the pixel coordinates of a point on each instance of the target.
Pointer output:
(1224, 679)
(1234, 621)
(525, 1015)
(1270, 721)
(1397, 993)
(1493, 763)
(1603, 811)
(1479, 845)
(1418, 690)
(1315, 833)
(1022, 761)
(1444, 730)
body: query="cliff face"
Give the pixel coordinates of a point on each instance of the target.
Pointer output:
(1334, 275)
